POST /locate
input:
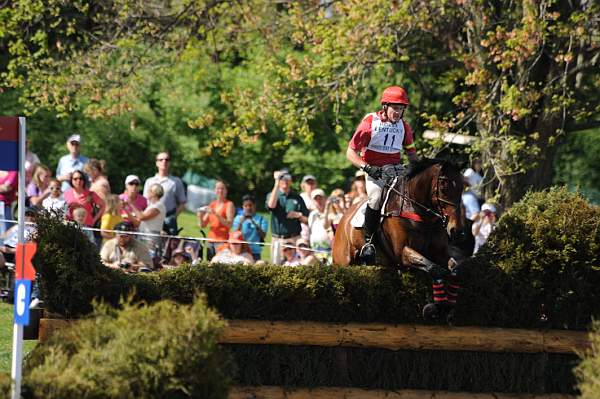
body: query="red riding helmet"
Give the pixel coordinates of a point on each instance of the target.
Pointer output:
(394, 95)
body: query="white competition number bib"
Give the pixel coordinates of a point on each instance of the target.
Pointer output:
(386, 137)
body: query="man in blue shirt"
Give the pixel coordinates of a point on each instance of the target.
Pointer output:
(253, 227)
(70, 162)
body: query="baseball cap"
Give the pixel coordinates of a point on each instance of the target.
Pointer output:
(131, 178)
(124, 226)
(236, 237)
(360, 173)
(308, 177)
(74, 137)
(488, 207)
(316, 193)
(285, 176)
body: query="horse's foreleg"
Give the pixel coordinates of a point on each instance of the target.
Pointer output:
(414, 259)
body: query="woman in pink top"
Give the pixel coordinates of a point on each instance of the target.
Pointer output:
(79, 196)
(131, 195)
(8, 193)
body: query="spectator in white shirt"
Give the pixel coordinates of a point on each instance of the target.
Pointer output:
(55, 201)
(483, 224)
(70, 162)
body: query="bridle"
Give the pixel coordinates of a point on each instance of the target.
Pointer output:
(438, 212)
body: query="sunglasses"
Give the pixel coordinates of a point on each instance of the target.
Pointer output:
(134, 183)
(163, 159)
(303, 246)
(54, 188)
(76, 178)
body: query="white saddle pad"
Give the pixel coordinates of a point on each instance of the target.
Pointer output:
(358, 219)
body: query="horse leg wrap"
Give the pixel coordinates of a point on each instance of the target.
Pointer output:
(453, 287)
(439, 291)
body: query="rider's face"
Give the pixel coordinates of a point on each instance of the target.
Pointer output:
(394, 112)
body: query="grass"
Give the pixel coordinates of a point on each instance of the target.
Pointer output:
(6, 334)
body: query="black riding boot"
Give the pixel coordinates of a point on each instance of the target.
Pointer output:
(372, 217)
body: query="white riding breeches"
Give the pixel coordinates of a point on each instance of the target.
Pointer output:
(374, 190)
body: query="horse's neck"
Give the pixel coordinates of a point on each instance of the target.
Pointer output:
(419, 188)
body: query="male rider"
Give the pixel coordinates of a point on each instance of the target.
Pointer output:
(379, 140)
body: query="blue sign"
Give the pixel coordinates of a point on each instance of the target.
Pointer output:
(22, 300)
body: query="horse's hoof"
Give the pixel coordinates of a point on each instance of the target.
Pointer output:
(431, 312)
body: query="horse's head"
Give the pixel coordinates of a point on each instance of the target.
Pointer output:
(446, 190)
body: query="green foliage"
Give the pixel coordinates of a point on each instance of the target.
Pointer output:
(5, 381)
(548, 248)
(164, 350)
(589, 368)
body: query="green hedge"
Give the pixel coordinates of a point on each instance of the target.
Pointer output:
(543, 252)
(165, 350)
(589, 369)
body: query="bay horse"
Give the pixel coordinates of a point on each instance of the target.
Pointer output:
(422, 212)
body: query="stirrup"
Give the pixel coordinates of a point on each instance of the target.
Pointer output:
(367, 252)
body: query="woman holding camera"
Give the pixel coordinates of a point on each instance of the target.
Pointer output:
(219, 217)
(151, 219)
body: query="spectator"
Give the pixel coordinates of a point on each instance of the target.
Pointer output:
(334, 211)
(70, 162)
(95, 169)
(55, 201)
(291, 258)
(178, 258)
(483, 224)
(174, 196)
(307, 257)
(235, 251)
(79, 195)
(218, 215)
(253, 227)
(79, 216)
(151, 219)
(124, 252)
(308, 184)
(132, 196)
(319, 235)
(287, 212)
(111, 216)
(31, 161)
(358, 192)
(38, 188)
(11, 238)
(8, 193)
(471, 196)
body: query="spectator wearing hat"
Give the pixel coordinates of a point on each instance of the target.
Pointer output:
(174, 196)
(290, 255)
(288, 211)
(308, 184)
(11, 238)
(307, 257)
(152, 218)
(96, 169)
(483, 224)
(253, 227)
(124, 252)
(235, 251)
(178, 258)
(218, 215)
(71, 162)
(132, 197)
(319, 235)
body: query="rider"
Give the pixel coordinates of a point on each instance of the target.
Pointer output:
(378, 141)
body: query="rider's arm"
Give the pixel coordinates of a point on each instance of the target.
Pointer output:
(354, 158)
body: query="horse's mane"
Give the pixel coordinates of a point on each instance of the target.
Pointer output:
(425, 163)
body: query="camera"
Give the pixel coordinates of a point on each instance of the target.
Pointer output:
(202, 209)
(124, 265)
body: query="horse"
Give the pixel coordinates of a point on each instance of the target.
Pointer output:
(421, 213)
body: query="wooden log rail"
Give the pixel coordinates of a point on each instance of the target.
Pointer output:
(388, 336)
(272, 392)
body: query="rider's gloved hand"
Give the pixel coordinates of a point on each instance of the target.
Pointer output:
(374, 171)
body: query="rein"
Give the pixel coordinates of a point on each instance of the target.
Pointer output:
(440, 215)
